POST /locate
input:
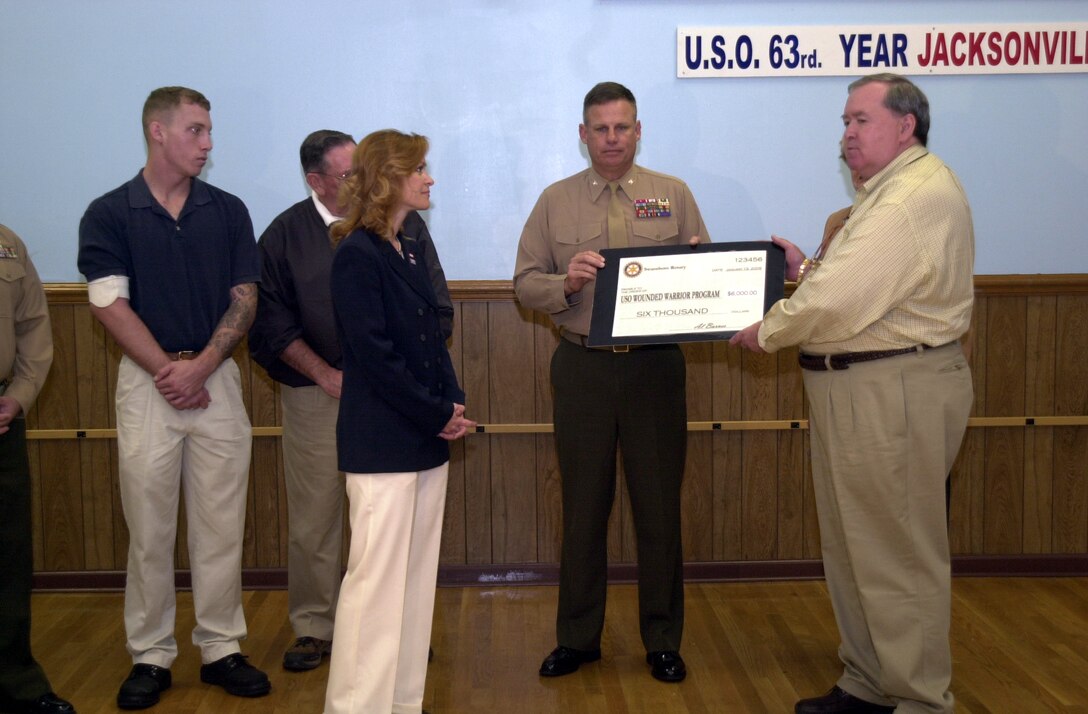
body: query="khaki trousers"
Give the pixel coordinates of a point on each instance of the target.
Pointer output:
(315, 509)
(205, 454)
(383, 620)
(884, 437)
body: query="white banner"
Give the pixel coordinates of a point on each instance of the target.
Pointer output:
(809, 51)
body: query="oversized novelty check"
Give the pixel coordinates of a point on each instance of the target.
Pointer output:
(681, 293)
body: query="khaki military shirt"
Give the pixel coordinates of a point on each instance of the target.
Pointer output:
(26, 340)
(572, 216)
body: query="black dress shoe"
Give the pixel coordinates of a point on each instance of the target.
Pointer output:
(564, 660)
(666, 665)
(837, 701)
(237, 676)
(142, 688)
(50, 703)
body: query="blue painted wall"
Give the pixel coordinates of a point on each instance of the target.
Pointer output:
(497, 86)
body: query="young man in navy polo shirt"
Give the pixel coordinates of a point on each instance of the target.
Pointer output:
(172, 268)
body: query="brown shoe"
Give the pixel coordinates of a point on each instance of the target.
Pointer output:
(306, 654)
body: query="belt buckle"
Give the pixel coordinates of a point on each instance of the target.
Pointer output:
(621, 348)
(185, 354)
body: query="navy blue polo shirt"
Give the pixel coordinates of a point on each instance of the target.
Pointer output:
(180, 271)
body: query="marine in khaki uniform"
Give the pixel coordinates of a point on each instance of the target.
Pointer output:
(26, 353)
(633, 399)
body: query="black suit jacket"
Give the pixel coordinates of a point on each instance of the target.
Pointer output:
(399, 383)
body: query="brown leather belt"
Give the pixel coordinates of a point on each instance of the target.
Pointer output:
(822, 363)
(183, 355)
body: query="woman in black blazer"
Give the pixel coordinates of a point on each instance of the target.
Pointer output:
(400, 405)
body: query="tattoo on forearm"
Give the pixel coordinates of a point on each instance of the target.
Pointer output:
(236, 320)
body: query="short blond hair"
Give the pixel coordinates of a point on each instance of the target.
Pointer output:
(165, 100)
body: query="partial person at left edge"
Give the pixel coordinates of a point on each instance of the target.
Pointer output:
(172, 268)
(26, 353)
(294, 338)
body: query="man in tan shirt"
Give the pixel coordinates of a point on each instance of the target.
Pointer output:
(603, 398)
(26, 353)
(877, 319)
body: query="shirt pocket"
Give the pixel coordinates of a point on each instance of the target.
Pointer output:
(12, 273)
(573, 239)
(656, 230)
(578, 234)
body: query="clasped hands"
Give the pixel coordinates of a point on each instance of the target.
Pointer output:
(181, 384)
(458, 425)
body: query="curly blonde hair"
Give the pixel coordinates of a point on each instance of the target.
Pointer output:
(372, 193)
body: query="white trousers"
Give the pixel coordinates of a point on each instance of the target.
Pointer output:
(315, 509)
(383, 620)
(205, 454)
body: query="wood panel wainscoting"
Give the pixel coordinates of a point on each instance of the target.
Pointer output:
(1019, 489)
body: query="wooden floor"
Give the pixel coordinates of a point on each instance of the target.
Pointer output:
(1019, 645)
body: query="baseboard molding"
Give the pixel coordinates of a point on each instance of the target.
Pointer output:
(1049, 565)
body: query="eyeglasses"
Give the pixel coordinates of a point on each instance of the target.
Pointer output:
(339, 177)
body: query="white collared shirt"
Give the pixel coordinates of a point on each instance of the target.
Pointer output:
(322, 211)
